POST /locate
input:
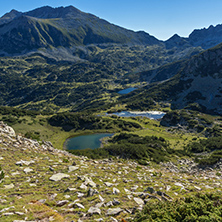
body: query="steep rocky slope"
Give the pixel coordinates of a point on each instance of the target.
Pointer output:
(45, 184)
(197, 80)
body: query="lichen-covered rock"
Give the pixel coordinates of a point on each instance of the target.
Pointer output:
(94, 210)
(114, 211)
(58, 176)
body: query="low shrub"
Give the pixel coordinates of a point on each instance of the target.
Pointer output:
(198, 207)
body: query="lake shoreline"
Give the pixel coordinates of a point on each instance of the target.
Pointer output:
(93, 141)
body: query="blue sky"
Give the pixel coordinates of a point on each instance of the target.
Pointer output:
(161, 18)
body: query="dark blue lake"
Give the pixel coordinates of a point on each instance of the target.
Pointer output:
(85, 141)
(126, 91)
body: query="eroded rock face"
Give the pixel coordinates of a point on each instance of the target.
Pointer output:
(4, 128)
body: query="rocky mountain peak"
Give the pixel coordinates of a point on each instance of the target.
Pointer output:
(206, 38)
(177, 41)
(9, 16)
(47, 12)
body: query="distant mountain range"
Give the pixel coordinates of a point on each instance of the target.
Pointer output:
(48, 27)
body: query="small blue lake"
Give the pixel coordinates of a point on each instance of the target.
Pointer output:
(92, 141)
(126, 91)
(148, 114)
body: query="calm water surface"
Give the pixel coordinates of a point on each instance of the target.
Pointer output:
(126, 91)
(148, 114)
(85, 141)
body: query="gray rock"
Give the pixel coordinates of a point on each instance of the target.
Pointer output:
(62, 203)
(139, 201)
(168, 187)
(116, 202)
(109, 204)
(59, 176)
(99, 205)
(24, 221)
(113, 219)
(73, 168)
(10, 186)
(90, 192)
(198, 188)
(79, 205)
(67, 196)
(80, 194)
(108, 184)
(6, 209)
(27, 163)
(51, 169)
(165, 198)
(42, 201)
(113, 211)
(53, 196)
(28, 170)
(94, 210)
(101, 199)
(15, 173)
(89, 182)
(83, 186)
(8, 214)
(20, 213)
(115, 191)
(134, 188)
(70, 189)
(19, 163)
(127, 191)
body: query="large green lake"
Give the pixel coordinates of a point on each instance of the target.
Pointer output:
(92, 141)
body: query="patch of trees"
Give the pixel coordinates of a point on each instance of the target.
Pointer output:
(132, 146)
(7, 110)
(142, 104)
(83, 121)
(213, 148)
(192, 120)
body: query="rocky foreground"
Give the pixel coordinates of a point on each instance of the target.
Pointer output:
(45, 184)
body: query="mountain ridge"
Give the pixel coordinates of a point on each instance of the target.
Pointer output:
(71, 26)
(195, 82)
(206, 37)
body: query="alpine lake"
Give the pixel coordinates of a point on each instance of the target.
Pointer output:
(93, 141)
